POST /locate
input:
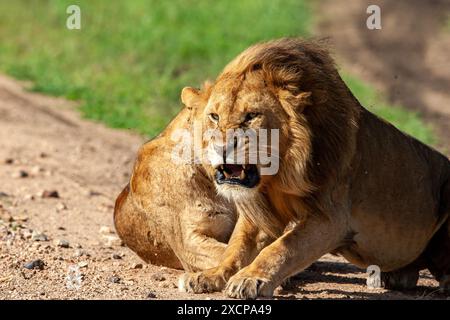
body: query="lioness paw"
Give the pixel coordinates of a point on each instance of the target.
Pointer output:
(201, 282)
(241, 286)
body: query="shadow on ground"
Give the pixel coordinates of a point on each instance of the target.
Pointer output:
(345, 281)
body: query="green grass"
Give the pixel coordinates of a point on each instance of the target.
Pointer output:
(130, 60)
(407, 121)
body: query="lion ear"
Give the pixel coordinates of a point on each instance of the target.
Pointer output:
(190, 97)
(297, 102)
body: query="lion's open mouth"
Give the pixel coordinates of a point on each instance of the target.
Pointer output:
(246, 175)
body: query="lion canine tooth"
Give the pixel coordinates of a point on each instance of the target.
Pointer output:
(242, 175)
(227, 175)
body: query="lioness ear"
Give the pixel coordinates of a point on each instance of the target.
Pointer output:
(190, 96)
(296, 102)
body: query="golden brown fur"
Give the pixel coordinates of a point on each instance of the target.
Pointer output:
(170, 214)
(348, 182)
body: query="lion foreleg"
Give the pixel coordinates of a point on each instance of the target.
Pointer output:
(201, 252)
(292, 252)
(243, 246)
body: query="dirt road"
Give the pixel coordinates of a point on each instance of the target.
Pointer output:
(60, 176)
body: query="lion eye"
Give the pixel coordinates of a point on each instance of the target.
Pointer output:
(250, 116)
(214, 117)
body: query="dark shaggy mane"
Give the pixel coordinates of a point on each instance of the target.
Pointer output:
(299, 65)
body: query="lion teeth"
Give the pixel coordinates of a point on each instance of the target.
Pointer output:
(227, 175)
(242, 175)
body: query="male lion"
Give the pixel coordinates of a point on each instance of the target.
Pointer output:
(348, 182)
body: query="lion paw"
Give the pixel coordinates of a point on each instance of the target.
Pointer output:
(400, 280)
(201, 282)
(241, 286)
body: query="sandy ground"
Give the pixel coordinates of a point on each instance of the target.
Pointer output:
(47, 148)
(60, 174)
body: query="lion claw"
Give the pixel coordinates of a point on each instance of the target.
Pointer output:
(247, 287)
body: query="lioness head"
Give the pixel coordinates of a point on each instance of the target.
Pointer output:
(286, 85)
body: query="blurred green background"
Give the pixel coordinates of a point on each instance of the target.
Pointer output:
(130, 60)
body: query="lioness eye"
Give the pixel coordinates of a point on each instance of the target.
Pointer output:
(251, 115)
(214, 117)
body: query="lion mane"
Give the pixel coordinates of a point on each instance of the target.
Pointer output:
(321, 138)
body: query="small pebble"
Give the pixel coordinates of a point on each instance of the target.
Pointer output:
(111, 241)
(83, 264)
(165, 285)
(105, 230)
(9, 161)
(35, 264)
(37, 169)
(37, 236)
(136, 266)
(20, 174)
(61, 206)
(49, 194)
(21, 218)
(116, 256)
(3, 195)
(80, 253)
(62, 243)
(151, 295)
(5, 215)
(92, 193)
(15, 225)
(128, 282)
(158, 276)
(114, 279)
(36, 245)
(29, 197)
(27, 234)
